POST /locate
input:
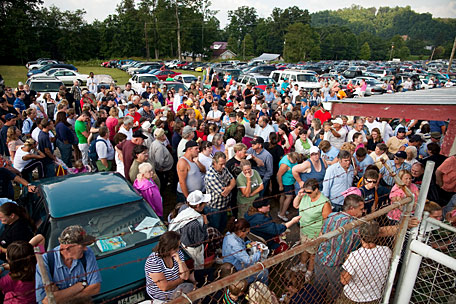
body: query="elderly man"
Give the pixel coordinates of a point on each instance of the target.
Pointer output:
(163, 158)
(358, 127)
(219, 184)
(188, 133)
(338, 178)
(71, 266)
(337, 134)
(396, 165)
(189, 172)
(263, 129)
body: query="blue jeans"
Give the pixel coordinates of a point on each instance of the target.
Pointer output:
(65, 152)
(265, 187)
(217, 220)
(49, 169)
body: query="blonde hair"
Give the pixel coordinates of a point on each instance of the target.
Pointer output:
(413, 150)
(11, 134)
(143, 169)
(348, 146)
(259, 293)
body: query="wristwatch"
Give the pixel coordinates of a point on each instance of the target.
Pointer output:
(84, 284)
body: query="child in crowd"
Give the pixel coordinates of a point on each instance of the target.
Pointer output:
(79, 168)
(299, 292)
(148, 189)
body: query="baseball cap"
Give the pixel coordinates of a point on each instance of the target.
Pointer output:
(190, 144)
(84, 92)
(10, 116)
(139, 134)
(230, 104)
(257, 140)
(197, 197)
(415, 138)
(401, 154)
(436, 135)
(261, 203)
(159, 132)
(146, 125)
(401, 130)
(338, 120)
(187, 130)
(75, 235)
(146, 104)
(314, 149)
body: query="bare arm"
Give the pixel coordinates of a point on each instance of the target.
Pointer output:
(334, 132)
(345, 277)
(182, 172)
(439, 178)
(282, 170)
(298, 169)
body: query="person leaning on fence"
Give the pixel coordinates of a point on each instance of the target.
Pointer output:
(262, 225)
(192, 227)
(166, 271)
(314, 208)
(365, 270)
(71, 266)
(234, 249)
(332, 253)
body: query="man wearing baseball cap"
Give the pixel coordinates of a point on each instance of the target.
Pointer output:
(337, 134)
(189, 172)
(71, 266)
(192, 226)
(125, 149)
(396, 165)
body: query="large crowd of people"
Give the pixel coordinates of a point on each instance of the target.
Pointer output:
(229, 154)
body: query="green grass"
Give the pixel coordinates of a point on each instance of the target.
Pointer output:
(12, 74)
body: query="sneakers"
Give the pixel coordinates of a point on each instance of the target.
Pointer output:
(300, 267)
(283, 218)
(308, 276)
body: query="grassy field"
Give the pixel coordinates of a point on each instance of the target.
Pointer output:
(12, 74)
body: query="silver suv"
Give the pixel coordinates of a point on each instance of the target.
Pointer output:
(43, 85)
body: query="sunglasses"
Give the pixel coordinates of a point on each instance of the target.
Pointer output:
(370, 181)
(308, 191)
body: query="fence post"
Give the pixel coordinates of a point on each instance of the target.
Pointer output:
(44, 276)
(408, 260)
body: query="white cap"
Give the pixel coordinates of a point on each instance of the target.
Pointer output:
(197, 197)
(314, 149)
(338, 120)
(146, 125)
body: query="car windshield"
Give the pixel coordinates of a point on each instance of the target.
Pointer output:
(306, 78)
(265, 81)
(115, 228)
(189, 79)
(46, 86)
(148, 79)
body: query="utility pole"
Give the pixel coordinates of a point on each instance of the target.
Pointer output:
(147, 41)
(243, 49)
(179, 51)
(432, 55)
(451, 56)
(202, 32)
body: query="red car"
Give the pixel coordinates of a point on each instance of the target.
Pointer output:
(162, 75)
(180, 65)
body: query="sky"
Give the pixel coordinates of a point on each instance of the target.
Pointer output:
(100, 9)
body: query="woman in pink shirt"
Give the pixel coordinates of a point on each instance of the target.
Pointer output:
(398, 194)
(18, 285)
(112, 122)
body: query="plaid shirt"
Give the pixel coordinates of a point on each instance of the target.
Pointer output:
(387, 178)
(334, 251)
(215, 182)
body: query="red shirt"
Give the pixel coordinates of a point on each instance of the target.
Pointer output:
(136, 118)
(322, 116)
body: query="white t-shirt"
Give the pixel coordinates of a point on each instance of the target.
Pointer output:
(374, 124)
(215, 114)
(368, 269)
(19, 163)
(205, 160)
(128, 133)
(352, 132)
(337, 142)
(36, 132)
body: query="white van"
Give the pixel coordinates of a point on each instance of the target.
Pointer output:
(305, 80)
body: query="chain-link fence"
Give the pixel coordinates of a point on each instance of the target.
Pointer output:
(352, 261)
(435, 282)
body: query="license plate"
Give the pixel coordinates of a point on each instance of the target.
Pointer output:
(134, 298)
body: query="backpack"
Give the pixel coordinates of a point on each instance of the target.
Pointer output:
(93, 156)
(51, 264)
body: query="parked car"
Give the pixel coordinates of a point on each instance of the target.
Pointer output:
(264, 70)
(186, 79)
(104, 80)
(305, 79)
(172, 84)
(51, 66)
(112, 211)
(256, 80)
(137, 79)
(68, 77)
(353, 71)
(42, 85)
(164, 74)
(41, 63)
(140, 66)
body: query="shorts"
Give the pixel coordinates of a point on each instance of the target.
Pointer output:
(309, 249)
(288, 189)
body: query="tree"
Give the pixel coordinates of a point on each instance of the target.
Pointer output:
(301, 43)
(242, 21)
(247, 46)
(365, 51)
(233, 44)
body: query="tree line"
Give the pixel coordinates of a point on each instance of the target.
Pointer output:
(161, 28)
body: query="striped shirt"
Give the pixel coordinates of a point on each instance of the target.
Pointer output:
(334, 251)
(155, 264)
(387, 178)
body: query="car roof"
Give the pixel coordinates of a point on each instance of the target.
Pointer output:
(79, 193)
(44, 79)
